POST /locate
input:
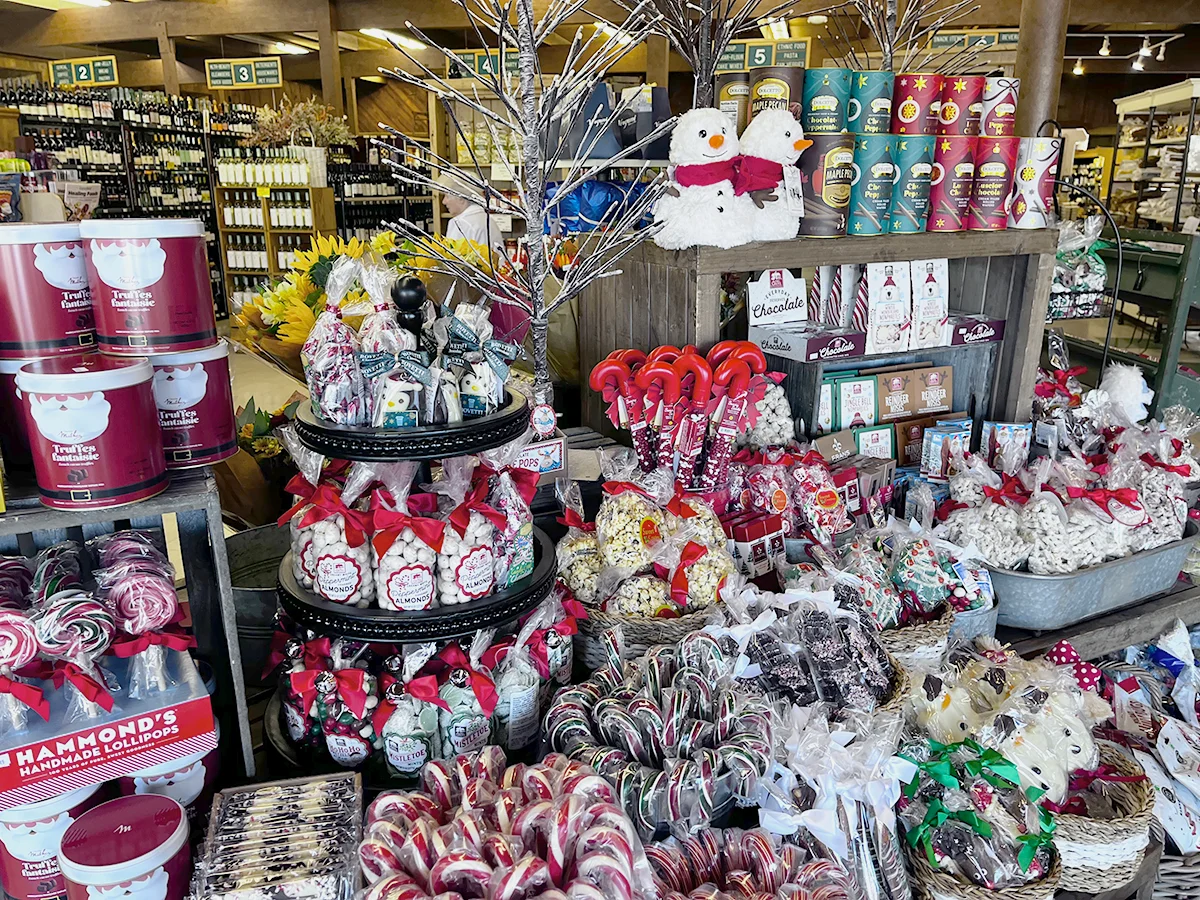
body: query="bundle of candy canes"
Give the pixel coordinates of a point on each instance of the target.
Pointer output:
(480, 828)
(683, 410)
(392, 372)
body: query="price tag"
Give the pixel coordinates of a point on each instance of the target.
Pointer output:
(792, 192)
(264, 192)
(503, 221)
(1190, 224)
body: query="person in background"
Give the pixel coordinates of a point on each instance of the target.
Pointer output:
(468, 219)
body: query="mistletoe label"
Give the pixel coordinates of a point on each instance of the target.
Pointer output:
(469, 731)
(411, 588)
(338, 577)
(476, 573)
(407, 754)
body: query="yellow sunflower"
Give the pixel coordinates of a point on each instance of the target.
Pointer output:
(317, 261)
(384, 243)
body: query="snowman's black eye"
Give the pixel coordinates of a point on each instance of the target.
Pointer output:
(787, 134)
(703, 133)
(1037, 771)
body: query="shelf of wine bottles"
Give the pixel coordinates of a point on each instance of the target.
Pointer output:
(364, 220)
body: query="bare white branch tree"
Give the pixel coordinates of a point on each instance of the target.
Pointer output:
(543, 112)
(904, 35)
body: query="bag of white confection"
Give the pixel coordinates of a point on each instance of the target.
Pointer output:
(1100, 521)
(1044, 525)
(312, 473)
(992, 518)
(516, 716)
(330, 355)
(578, 553)
(510, 490)
(1154, 466)
(343, 559)
(467, 561)
(407, 716)
(406, 540)
(630, 521)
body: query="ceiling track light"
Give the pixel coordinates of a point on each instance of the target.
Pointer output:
(1145, 50)
(1138, 65)
(1162, 51)
(1105, 49)
(1078, 70)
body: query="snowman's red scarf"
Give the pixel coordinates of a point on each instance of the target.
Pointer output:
(707, 173)
(756, 174)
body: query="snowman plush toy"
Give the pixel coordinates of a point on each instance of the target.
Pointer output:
(771, 143)
(700, 207)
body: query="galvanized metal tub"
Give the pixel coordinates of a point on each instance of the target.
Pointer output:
(972, 624)
(1047, 602)
(254, 557)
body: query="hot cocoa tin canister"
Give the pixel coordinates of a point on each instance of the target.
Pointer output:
(30, 838)
(133, 847)
(195, 406)
(93, 431)
(150, 285)
(45, 301)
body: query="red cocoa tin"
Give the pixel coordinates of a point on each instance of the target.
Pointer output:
(45, 301)
(30, 837)
(195, 406)
(151, 291)
(132, 848)
(189, 780)
(93, 431)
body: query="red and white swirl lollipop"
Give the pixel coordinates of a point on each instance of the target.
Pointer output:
(142, 602)
(18, 648)
(75, 628)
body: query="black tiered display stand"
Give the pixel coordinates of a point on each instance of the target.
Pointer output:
(444, 623)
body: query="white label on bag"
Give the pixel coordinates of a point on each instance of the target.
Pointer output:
(347, 750)
(406, 754)
(297, 725)
(523, 717)
(338, 577)
(410, 588)
(469, 733)
(476, 572)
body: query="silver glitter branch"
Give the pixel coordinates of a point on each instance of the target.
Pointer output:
(904, 35)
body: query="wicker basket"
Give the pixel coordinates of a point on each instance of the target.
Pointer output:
(641, 633)
(932, 884)
(923, 644)
(1103, 854)
(1178, 876)
(900, 688)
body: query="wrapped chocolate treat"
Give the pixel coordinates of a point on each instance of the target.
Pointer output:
(468, 694)
(817, 501)
(406, 718)
(330, 355)
(510, 491)
(406, 542)
(344, 699)
(304, 659)
(381, 337)
(879, 595)
(466, 562)
(578, 553)
(630, 521)
(918, 574)
(551, 646)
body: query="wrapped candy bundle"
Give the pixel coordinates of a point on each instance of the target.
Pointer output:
(55, 569)
(775, 426)
(73, 629)
(578, 553)
(468, 694)
(330, 355)
(18, 648)
(406, 718)
(637, 595)
(302, 662)
(342, 699)
(343, 559)
(518, 688)
(141, 594)
(551, 647)
(510, 491)
(301, 487)
(15, 580)
(769, 488)
(381, 337)
(878, 593)
(630, 521)
(816, 499)
(406, 544)
(466, 561)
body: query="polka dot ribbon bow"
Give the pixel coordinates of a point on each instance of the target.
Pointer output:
(1086, 674)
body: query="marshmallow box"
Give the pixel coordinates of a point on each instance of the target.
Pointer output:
(195, 406)
(93, 431)
(150, 285)
(45, 301)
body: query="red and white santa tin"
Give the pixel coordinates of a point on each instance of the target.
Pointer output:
(93, 430)
(190, 780)
(151, 291)
(131, 848)
(30, 837)
(45, 301)
(195, 406)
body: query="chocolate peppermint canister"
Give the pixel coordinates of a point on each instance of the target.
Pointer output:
(131, 848)
(733, 97)
(998, 117)
(45, 301)
(995, 160)
(776, 87)
(93, 431)
(826, 172)
(195, 406)
(30, 838)
(913, 156)
(962, 104)
(826, 101)
(1032, 203)
(870, 108)
(951, 182)
(190, 780)
(871, 190)
(916, 103)
(150, 285)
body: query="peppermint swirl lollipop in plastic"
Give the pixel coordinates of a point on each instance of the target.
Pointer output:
(74, 624)
(18, 640)
(142, 602)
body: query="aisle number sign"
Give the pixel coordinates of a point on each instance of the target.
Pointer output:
(242, 74)
(741, 56)
(88, 71)
(485, 62)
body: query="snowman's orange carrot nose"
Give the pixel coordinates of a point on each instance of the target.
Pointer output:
(802, 145)
(716, 141)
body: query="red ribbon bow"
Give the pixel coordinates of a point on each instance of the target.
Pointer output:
(1085, 778)
(613, 488)
(91, 689)
(326, 502)
(451, 658)
(540, 653)
(524, 480)
(351, 687)
(748, 456)
(1102, 496)
(389, 524)
(692, 552)
(947, 506)
(572, 519)
(706, 173)
(172, 640)
(28, 694)
(1047, 389)
(678, 505)
(1010, 489)
(299, 487)
(1159, 464)
(424, 688)
(476, 500)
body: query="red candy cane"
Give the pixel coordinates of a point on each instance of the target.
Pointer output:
(733, 375)
(662, 375)
(698, 390)
(617, 377)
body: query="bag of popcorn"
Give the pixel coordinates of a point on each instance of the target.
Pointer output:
(578, 553)
(630, 521)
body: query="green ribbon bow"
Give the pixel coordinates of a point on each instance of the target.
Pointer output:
(937, 815)
(992, 766)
